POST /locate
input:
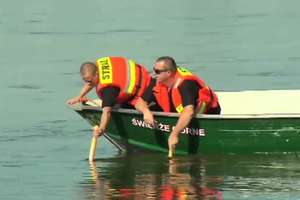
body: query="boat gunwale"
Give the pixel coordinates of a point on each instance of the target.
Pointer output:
(80, 107)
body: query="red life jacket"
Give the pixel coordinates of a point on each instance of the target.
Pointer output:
(130, 77)
(207, 97)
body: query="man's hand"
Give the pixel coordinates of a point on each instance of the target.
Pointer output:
(173, 141)
(149, 119)
(77, 100)
(183, 121)
(73, 100)
(142, 106)
(97, 131)
(82, 95)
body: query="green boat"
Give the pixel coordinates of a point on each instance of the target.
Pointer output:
(251, 122)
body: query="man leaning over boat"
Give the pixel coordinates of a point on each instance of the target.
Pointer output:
(178, 90)
(117, 80)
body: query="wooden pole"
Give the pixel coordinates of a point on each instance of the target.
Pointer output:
(93, 147)
(171, 153)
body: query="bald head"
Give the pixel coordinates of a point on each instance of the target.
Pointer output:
(89, 73)
(88, 68)
(169, 62)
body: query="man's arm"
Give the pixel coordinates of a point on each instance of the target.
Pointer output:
(143, 102)
(189, 92)
(105, 119)
(109, 99)
(184, 119)
(85, 89)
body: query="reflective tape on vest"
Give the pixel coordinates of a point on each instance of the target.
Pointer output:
(180, 108)
(105, 70)
(203, 108)
(131, 79)
(183, 71)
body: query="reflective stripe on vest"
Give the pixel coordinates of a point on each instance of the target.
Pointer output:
(131, 78)
(180, 108)
(184, 72)
(203, 107)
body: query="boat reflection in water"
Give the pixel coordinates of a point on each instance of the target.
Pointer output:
(151, 176)
(209, 177)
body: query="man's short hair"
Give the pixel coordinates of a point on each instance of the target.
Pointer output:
(88, 67)
(172, 66)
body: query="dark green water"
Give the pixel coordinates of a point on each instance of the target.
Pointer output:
(232, 44)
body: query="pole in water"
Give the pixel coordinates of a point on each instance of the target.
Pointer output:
(93, 147)
(171, 153)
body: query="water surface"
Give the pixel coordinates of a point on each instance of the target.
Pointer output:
(234, 45)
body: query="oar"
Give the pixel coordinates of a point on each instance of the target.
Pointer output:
(93, 147)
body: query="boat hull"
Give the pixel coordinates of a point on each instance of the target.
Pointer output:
(205, 134)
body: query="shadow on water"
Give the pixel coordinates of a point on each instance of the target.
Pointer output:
(25, 86)
(150, 175)
(264, 74)
(108, 32)
(252, 16)
(34, 21)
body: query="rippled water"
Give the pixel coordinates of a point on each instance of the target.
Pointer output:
(233, 44)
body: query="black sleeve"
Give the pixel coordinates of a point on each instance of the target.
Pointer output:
(189, 91)
(109, 96)
(148, 95)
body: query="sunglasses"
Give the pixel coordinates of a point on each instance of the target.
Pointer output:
(88, 81)
(158, 71)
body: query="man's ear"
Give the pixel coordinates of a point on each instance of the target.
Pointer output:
(170, 73)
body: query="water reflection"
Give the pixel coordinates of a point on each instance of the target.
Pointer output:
(151, 176)
(209, 177)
